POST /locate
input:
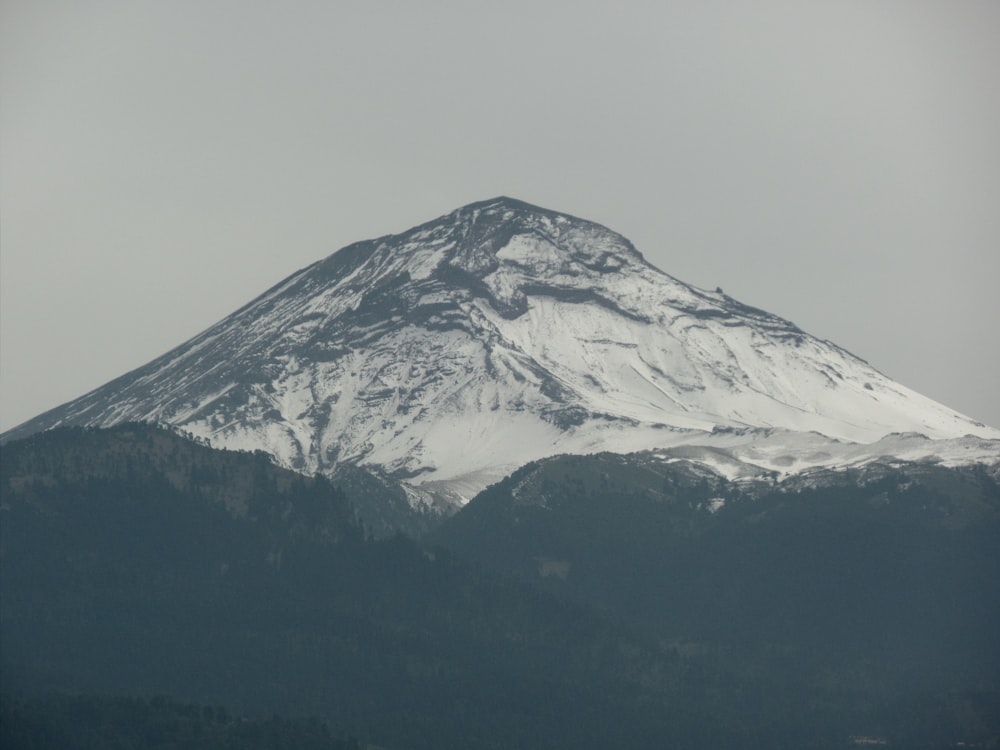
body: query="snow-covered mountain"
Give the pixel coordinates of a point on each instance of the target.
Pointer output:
(450, 354)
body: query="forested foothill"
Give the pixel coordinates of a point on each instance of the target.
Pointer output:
(584, 602)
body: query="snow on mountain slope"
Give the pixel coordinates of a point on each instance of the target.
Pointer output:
(780, 454)
(448, 355)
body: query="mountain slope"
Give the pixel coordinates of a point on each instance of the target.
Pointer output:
(450, 354)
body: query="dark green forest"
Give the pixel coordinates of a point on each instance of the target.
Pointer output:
(95, 722)
(609, 603)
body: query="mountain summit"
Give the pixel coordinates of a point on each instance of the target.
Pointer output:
(450, 354)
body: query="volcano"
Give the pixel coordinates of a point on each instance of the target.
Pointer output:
(448, 355)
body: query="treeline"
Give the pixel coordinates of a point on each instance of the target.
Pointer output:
(92, 722)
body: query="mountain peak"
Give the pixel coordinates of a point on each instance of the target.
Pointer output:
(502, 217)
(505, 203)
(501, 250)
(451, 353)
(507, 207)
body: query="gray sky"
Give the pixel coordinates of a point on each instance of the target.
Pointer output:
(836, 163)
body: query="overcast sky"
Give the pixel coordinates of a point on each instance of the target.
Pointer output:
(835, 163)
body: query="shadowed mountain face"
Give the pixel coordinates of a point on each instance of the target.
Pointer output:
(450, 354)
